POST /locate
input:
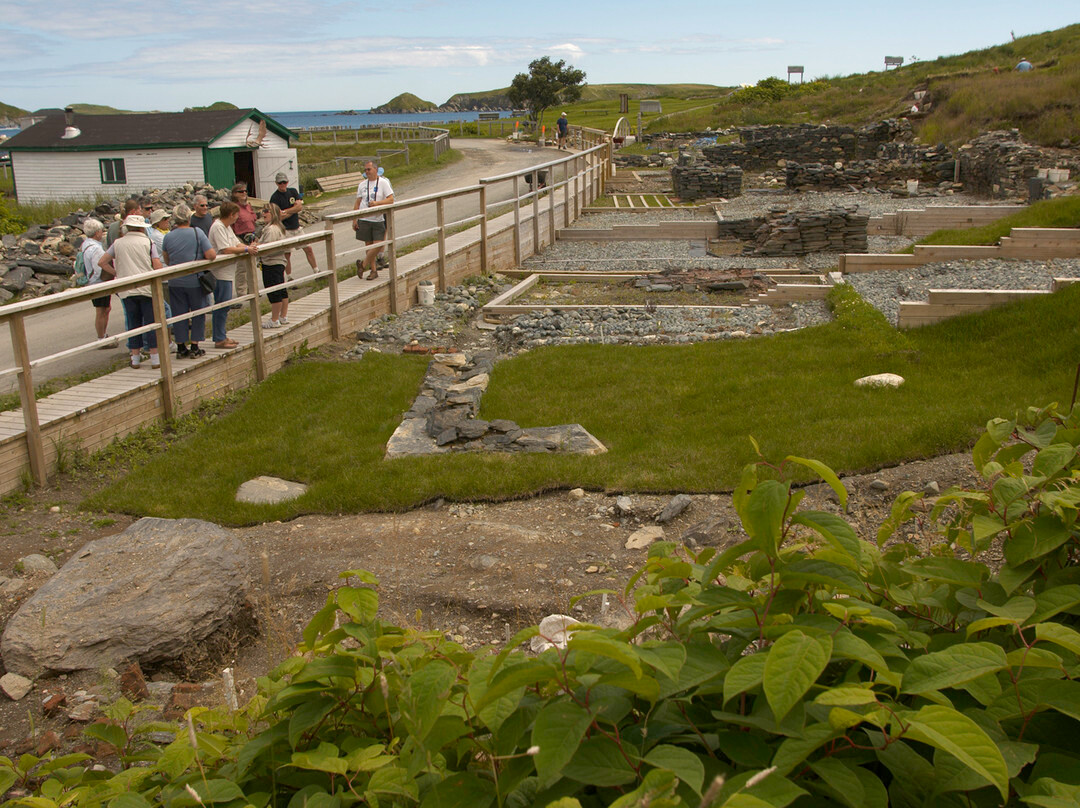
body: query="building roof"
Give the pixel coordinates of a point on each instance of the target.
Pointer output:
(138, 129)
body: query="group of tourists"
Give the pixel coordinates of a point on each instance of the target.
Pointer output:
(143, 240)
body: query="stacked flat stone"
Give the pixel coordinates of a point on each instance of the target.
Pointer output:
(881, 173)
(999, 164)
(805, 232)
(705, 182)
(761, 147)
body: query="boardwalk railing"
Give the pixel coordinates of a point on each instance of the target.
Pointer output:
(511, 218)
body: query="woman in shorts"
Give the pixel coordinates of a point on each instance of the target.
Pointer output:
(273, 267)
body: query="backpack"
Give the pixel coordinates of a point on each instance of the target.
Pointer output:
(81, 277)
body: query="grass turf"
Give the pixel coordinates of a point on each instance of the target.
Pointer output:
(675, 418)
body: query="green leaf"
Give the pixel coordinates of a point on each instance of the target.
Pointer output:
(685, 764)
(323, 759)
(363, 576)
(460, 790)
(129, 800)
(1053, 601)
(953, 666)
(335, 665)
(745, 674)
(428, 688)
(901, 512)
(211, 791)
(834, 530)
(308, 716)
(846, 694)
(764, 518)
(946, 729)
(1052, 459)
(826, 474)
(842, 781)
(109, 733)
(1035, 538)
(601, 645)
(360, 604)
(704, 662)
(665, 658)
(1019, 608)
(599, 762)
(558, 730)
(794, 663)
(392, 780)
(321, 622)
(1058, 634)
(511, 678)
(949, 570)
(825, 573)
(989, 622)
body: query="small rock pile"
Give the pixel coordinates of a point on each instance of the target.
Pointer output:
(701, 182)
(443, 416)
(39, 261)
(805, 232)
(659, 159)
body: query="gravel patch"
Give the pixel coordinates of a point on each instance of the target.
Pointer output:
(623, 326)
(874, 204)
(607, 220)
(886, 288)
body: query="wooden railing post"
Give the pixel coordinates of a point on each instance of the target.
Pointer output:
(484, 229)
(440, 221)
(392, 250)
(536, 214)
(331, 264)
(256, 317)
(34, 447)
(517, 223)
(551, 208)
(566, 193)
(577, 188)
(168, 390)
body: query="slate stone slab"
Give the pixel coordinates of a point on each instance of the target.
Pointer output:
(144, 595)
(269, 491)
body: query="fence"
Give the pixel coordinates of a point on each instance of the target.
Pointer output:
(98, 411)
(393, 133)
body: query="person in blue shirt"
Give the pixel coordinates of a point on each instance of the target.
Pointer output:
(1024, 65)
(564, 130)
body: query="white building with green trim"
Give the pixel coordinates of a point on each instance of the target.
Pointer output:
(69, 157)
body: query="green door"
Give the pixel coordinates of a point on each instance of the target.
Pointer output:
(218, 167)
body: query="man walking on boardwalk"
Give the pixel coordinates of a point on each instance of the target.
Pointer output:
(373, 191)
(564, 130)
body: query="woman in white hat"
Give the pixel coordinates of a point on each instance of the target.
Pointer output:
(130, 255)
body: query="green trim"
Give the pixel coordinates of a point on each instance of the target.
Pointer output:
(124, 147)
(123, 170)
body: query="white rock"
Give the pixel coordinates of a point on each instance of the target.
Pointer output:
(880, 380)
(624, 505)
(577, 493)
(553, 632)
(641, 539)
(15, 686)
(454, 360)
(268, 490)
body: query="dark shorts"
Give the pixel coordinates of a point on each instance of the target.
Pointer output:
(272, 276)
(104, 302)
(370, 232)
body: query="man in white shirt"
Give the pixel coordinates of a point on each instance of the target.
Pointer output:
(373, 191)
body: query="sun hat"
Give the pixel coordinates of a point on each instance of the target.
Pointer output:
(134, 220)
(158, 215)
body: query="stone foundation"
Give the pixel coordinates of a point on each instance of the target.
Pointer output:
(704, 182)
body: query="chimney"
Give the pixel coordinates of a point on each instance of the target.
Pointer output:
(71, 131)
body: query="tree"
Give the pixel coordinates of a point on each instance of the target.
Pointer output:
(546, 84)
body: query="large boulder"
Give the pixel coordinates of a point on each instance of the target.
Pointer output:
(143, 595)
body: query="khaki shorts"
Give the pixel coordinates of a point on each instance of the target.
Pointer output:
(370, 232)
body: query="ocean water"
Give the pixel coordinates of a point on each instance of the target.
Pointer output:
(357, 119)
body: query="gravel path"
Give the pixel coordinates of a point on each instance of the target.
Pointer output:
(875, 204)
(885, 289)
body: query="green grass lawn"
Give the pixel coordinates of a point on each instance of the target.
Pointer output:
(675, 418)
(1061, 212)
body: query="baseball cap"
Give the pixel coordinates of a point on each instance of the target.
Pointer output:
(281, 176)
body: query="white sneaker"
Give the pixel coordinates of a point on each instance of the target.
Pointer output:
(272, 324)
(284, 321)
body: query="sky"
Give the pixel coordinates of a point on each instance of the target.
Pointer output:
(355, 54)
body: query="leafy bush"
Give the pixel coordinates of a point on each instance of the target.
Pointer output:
(10, 222)
(801, 666)
(775, 89)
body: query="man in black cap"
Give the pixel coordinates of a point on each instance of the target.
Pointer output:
(291, 201)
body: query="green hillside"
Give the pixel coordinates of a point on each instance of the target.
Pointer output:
(595, 92)
(406, 102)
(10, 113)
(970, 93)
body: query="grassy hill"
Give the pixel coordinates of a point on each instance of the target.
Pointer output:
(406, 102)
(9, 112)
(970, 93)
